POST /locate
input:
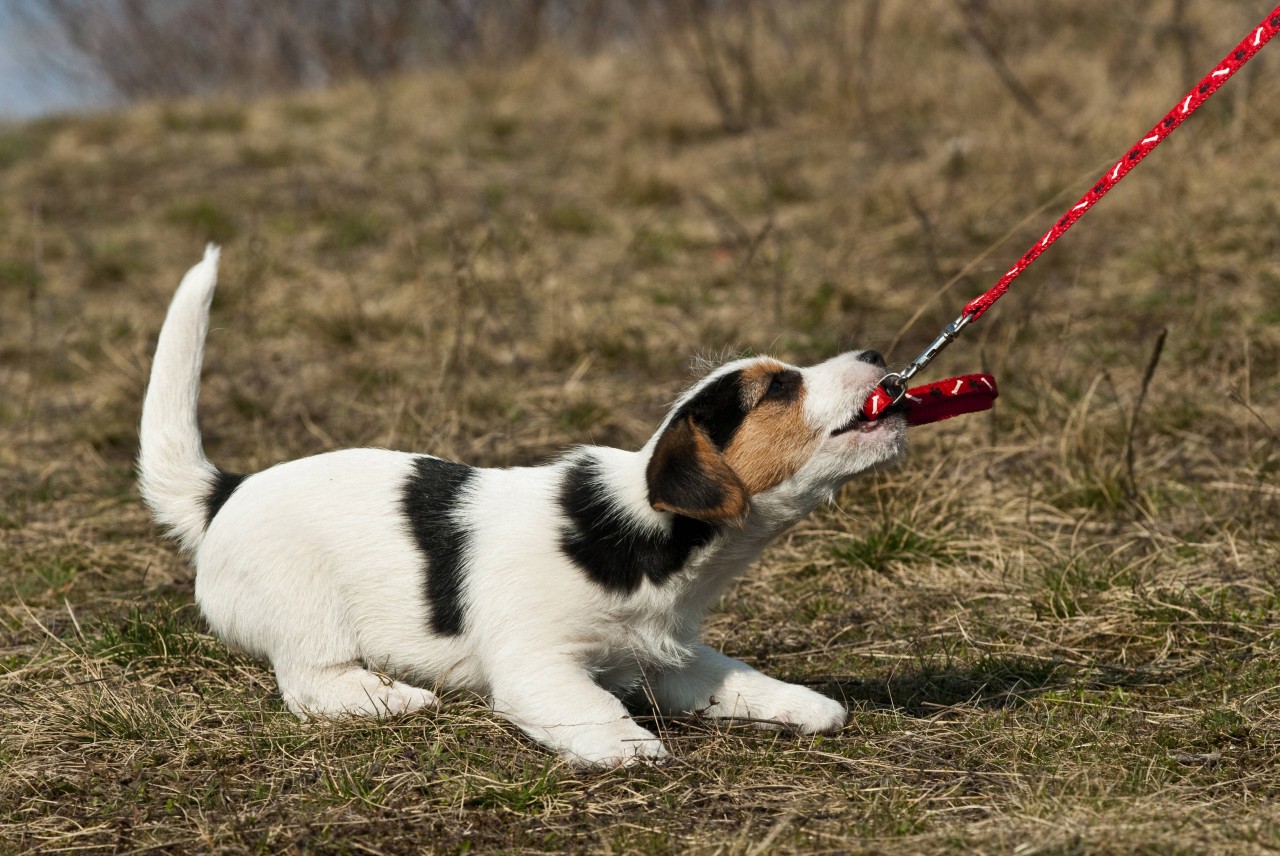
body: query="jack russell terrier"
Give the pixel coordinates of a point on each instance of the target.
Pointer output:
(365, 575)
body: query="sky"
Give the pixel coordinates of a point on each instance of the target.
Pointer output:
(32, 83)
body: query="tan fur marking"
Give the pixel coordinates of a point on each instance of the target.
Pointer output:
(774, 440)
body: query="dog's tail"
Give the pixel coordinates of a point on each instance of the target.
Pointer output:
(177, 481)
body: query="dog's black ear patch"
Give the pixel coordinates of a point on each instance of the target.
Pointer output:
(688, 475)
(224, 484)
(609, 546)
(429, 502)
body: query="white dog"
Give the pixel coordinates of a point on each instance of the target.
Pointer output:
(557, 590)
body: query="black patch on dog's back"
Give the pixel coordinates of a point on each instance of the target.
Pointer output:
(224, 484)
(609, 547)
(430, 496)
(718, 408)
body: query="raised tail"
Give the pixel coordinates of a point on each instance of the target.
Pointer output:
(177, 481)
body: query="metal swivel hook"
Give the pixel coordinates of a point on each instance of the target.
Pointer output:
(895, 383)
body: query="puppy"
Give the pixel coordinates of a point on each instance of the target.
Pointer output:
(559, 590)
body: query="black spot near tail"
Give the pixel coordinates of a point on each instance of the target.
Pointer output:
(606, 543)
(224, 484)
(429, 502)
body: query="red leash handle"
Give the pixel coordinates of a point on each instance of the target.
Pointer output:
(893, 386)
(940, 400)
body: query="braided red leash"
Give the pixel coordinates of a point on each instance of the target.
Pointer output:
(893, 386)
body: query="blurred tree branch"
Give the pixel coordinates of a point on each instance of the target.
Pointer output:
(165, 48)
(737, 50)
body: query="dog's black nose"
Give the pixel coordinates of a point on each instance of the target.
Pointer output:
(874, 357)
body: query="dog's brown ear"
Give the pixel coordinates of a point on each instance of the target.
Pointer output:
(688, 475)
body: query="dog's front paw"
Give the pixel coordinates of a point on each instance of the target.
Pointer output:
(811, 712)
(785, 705)
(615, 744)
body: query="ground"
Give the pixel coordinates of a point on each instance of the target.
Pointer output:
(1055, 626)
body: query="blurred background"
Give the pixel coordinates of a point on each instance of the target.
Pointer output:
(85, 54)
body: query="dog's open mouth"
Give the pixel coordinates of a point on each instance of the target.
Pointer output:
(862, 423)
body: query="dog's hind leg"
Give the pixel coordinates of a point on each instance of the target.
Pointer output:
(347, 689)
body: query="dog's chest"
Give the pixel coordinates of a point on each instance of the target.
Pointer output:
(650, 632)
(657, 627)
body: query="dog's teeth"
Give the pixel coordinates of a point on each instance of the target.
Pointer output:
(850, 425)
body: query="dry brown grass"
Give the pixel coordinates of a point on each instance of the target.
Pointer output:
(1041, 655)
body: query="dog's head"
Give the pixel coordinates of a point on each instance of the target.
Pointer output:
(758, 425)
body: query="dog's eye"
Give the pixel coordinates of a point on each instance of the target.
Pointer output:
(782, 386)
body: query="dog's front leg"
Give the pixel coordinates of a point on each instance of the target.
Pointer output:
(722, 687)
(555, 701)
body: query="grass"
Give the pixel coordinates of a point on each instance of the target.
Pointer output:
(204, 220)
(1039, 654)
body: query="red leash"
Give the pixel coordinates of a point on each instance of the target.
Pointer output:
(893, 389)
(943, 399)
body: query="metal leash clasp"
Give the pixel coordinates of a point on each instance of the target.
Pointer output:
(895, 383)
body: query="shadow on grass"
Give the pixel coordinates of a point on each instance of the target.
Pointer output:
(990, 682)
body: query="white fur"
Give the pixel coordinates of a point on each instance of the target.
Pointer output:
(172, 468)
(311, 565)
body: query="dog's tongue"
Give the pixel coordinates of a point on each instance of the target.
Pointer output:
(934, 402)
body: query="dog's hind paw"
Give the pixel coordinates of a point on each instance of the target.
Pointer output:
(404, 698)
(326, 694)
